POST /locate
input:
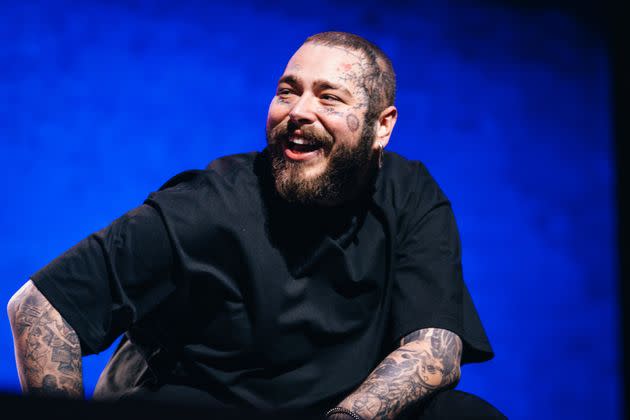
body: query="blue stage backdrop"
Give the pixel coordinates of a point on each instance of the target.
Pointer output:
(103, 101)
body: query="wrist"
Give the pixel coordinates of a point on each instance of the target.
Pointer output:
(340, 413)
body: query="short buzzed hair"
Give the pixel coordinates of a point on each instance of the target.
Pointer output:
(379, 80)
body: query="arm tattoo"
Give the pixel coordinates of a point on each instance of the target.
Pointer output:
(427, 360)
(47, 350)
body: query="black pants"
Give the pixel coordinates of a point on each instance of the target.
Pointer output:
(127, 365)
(449, 404)
(452, 404)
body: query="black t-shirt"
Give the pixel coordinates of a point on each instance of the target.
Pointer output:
(235, 293)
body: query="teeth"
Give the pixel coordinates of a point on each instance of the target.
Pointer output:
(303, 141)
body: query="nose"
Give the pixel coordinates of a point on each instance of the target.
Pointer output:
(303, 110)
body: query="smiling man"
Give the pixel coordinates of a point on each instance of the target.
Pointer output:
(322, 124)
(321, 274)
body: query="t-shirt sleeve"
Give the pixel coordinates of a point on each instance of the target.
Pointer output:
(112, 278)
(429, 290)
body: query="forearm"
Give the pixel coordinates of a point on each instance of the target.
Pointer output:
(47, 350)
(428, 360)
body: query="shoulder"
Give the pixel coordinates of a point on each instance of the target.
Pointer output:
(234, 168)
(225, 181)
(404, 183)
(195, 202)
(230, 170)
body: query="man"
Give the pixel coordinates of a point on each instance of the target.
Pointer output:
(321, 273)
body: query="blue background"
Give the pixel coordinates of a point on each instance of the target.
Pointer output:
(103, 101)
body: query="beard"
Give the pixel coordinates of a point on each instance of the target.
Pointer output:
(348, 168)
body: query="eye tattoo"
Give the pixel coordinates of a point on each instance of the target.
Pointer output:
(353, 122)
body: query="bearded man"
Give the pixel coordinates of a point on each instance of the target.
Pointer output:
(321, 274)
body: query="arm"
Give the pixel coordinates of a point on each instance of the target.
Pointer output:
(47, 350)
(426, 361)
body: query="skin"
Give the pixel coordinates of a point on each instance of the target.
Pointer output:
(321, 90)
(426, 361)
(47, 350)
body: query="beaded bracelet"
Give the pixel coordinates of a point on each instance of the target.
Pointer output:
(345, 411)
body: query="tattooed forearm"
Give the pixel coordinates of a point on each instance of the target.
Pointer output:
(427, 360)
(47, 350)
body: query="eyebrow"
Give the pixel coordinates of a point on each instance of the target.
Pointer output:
(320, 83)
(289, 79)
(325, 84)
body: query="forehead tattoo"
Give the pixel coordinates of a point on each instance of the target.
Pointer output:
(351, 78)
(354, 74)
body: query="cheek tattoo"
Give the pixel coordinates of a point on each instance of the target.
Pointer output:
(353, 122)
(331, 111)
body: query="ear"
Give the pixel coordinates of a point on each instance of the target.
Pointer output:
(384, 126)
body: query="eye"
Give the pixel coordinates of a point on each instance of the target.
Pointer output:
(284, 92)
(329, 97)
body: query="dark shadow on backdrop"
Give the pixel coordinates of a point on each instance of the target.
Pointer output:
(621, 94)
(609, 19)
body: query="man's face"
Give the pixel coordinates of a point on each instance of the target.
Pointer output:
(318, 139)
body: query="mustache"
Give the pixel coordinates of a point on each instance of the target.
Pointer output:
(283, 131)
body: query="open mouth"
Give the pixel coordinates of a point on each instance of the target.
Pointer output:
(298, 148)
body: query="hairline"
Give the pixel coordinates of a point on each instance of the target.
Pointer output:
(377, 62)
